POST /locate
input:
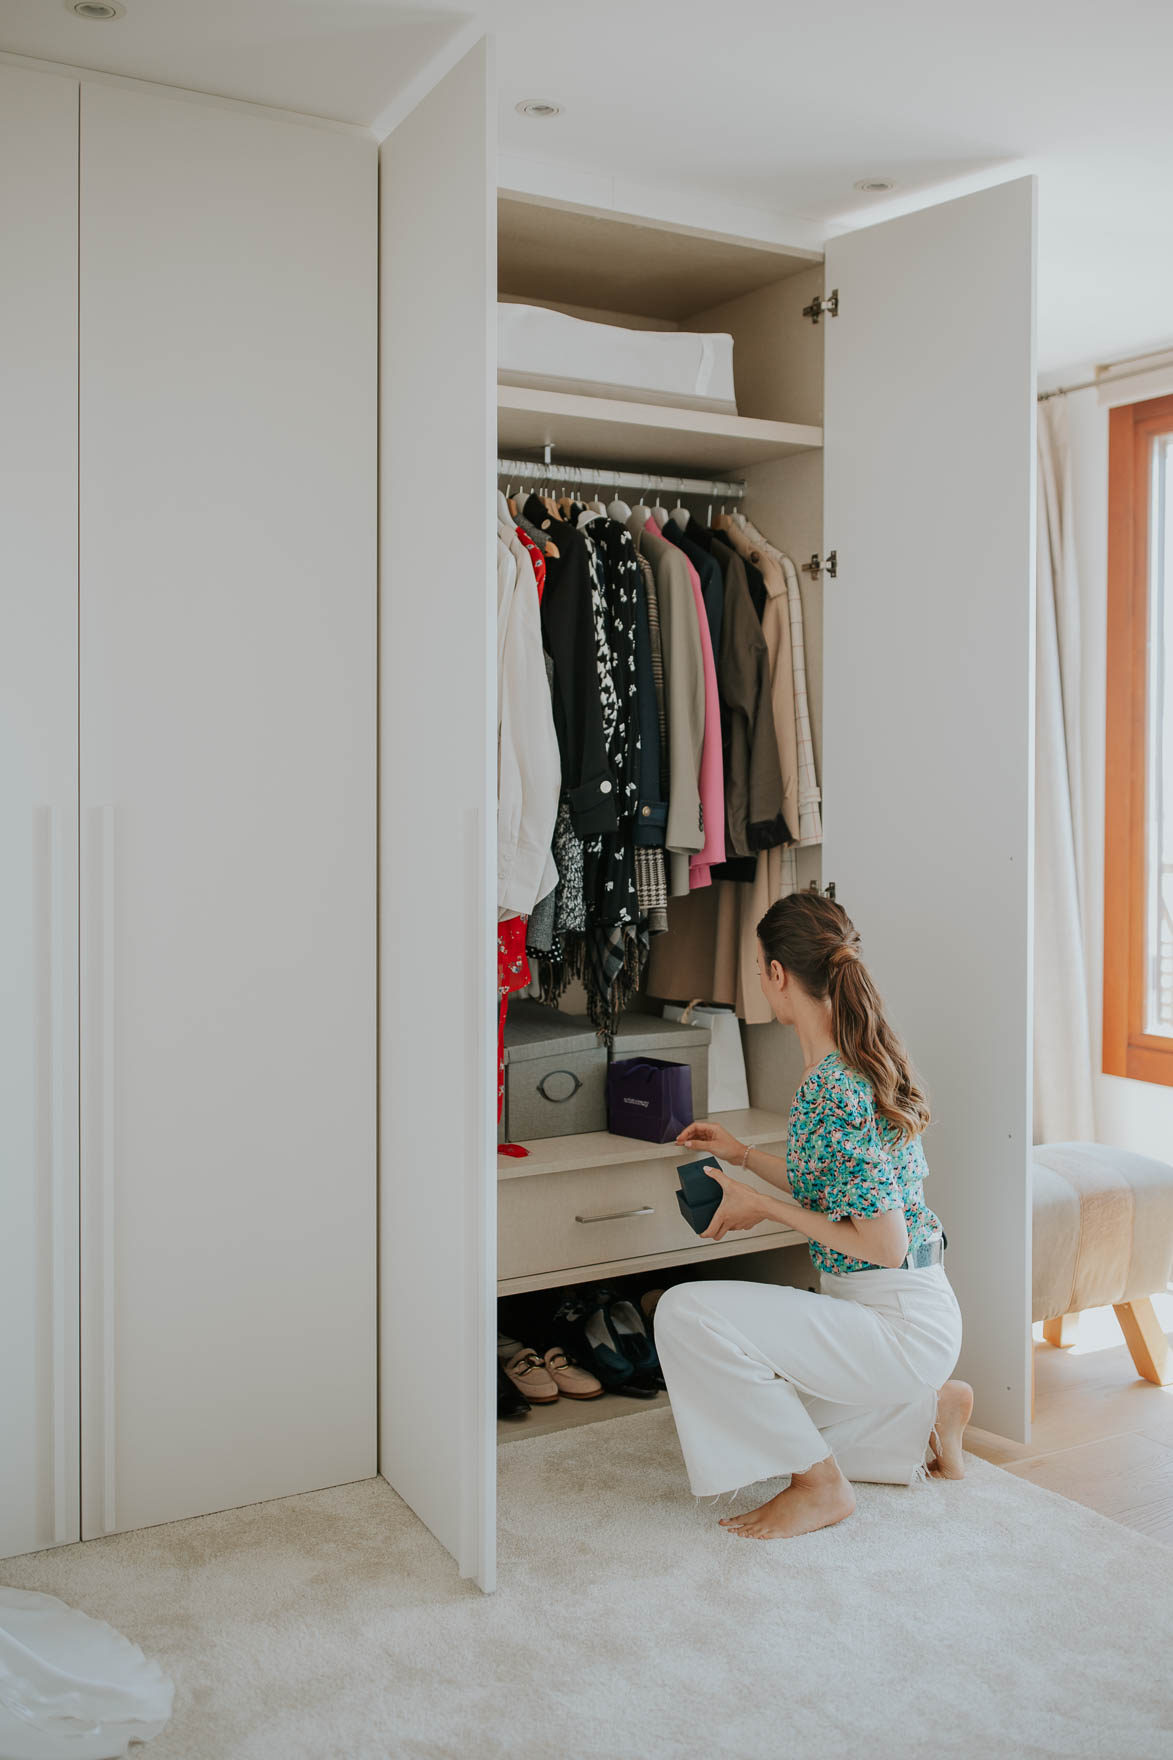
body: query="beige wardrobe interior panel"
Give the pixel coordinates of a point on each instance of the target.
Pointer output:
(589, 257)
(777, 353)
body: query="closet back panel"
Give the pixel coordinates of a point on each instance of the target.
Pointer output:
(928, 710)
(437, 872)
(228, 806)
(38, 810)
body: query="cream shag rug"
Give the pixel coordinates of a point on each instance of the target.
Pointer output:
(984, 1618)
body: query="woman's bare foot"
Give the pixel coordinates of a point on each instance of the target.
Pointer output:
(954, 1405)
(814, 1499)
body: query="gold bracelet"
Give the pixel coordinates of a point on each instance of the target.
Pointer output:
(745, 1157)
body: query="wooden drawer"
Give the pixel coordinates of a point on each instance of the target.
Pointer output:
(574, 1220)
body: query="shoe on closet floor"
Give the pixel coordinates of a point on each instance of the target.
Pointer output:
(574, 1382)
(531, 1378)
(647, 1304)
(582, 1327)
(511, 1402)
(631, 1335)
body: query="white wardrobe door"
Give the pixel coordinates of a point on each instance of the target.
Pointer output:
(38, 811)
(928, 710)
(228, 807)
(438, 824)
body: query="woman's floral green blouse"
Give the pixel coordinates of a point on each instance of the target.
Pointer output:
(845, 1160)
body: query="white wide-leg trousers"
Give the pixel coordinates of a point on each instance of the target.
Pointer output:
(766, 1380)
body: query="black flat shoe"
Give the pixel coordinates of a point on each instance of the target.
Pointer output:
(631, 1337)
(581, 1329)
(511, 1402)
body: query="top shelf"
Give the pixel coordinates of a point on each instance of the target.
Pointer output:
(601, 1149)
(604, 431)
(582, 256)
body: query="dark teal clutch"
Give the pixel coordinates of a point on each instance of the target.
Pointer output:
(699, 1196)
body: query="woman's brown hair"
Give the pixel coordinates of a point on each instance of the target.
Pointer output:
(814, 939)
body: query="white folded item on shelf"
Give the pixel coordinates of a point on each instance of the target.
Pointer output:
(549, 351)
(728, 1086)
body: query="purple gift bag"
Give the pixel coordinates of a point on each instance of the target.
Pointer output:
(648, 1097)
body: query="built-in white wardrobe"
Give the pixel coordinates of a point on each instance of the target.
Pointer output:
(187, 805)
(885, 436)
(189, 636)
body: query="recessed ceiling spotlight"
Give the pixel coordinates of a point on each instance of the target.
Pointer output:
(540, 107)
(875, 185)
(96, 10)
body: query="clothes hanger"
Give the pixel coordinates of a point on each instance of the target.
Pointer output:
(680, 514)
(660, 514)
(504, 511)
(618, 509)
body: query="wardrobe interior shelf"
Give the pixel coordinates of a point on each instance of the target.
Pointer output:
(604, 431)
(601, 1149)
(563, 1414)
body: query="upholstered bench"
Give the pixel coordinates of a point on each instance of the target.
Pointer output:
(1103, 1233)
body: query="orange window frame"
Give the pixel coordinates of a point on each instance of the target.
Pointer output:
(1127, 1049)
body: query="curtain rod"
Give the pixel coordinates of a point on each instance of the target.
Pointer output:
(1124, 369)
(584, 473)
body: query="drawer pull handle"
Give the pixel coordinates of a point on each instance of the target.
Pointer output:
(620, 1215)
(559, 1099)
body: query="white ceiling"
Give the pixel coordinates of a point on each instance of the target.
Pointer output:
(333, 58)
(768, 110)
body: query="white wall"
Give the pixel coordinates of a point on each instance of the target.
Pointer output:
(1133, 1115)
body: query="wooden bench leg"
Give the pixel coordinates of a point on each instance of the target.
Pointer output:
(1061, 1330)
(1147, 1344)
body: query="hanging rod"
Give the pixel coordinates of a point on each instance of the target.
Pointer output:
(583, 473)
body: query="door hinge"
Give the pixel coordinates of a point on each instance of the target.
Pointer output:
(816, 567)
(818, 306)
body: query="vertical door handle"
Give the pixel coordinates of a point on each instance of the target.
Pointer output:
(109, 1501)
(101, 1146)
(57, 945)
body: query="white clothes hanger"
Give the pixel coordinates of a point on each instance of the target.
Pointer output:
(660, 514)
(618, 509)
(680, 514)
(503, 513)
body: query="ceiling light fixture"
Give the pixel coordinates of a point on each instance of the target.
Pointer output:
(875, 185)
(539, 107)
(96, 11)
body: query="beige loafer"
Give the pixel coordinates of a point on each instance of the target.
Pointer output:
(530, 1376)
(572, 1381)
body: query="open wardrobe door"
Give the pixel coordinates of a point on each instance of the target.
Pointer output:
(928, 711)
(437, 840)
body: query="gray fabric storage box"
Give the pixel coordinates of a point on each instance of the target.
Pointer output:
(555, 1074)
(650, 1035)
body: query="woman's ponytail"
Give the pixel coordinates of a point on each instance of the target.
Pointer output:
(814, 939)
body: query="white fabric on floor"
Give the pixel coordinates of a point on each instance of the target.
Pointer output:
(954, 1621)
(766, 1379)
(72, 1688)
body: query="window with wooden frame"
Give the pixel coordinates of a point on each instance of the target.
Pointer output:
(1138, 827)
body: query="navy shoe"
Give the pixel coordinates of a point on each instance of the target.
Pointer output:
(581, 1328)
(630, 1335)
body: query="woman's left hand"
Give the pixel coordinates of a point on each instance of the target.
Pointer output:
(741, 1207)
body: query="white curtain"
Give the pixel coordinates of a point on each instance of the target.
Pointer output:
(1063, 1106)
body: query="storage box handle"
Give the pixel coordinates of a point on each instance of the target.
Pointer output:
(559, 1099)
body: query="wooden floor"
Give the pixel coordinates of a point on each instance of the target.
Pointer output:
(1101, 1435)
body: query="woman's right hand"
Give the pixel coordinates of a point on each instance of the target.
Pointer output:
(714, 1138)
